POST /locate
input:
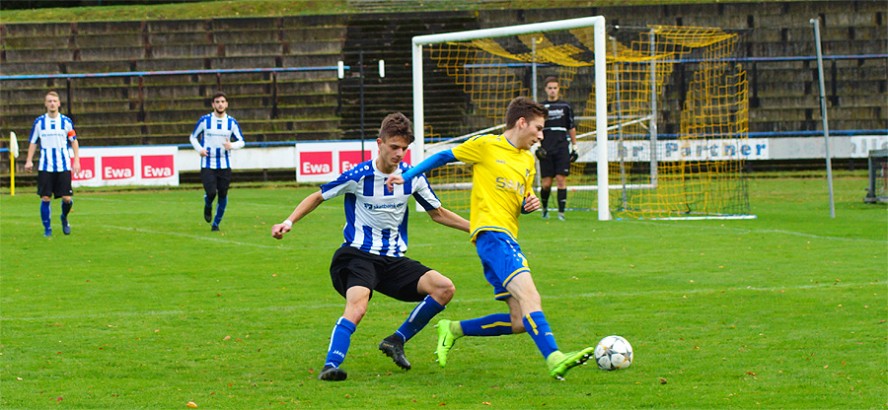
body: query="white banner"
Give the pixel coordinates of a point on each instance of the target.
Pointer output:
(777, 148)
(144, 165)
(321, 161)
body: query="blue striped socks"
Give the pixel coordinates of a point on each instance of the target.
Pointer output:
(419, 318)
(45, 214)
(340, 340)
(220, 210)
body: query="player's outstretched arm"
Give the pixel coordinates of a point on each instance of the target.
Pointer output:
(449, 218)
(432, 162)
(310, 203)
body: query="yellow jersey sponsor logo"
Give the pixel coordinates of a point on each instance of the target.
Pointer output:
(509, 185)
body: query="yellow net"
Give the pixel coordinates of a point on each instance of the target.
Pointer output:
(677, 113)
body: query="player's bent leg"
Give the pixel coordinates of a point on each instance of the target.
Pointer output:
(559, 363)
(436, 285)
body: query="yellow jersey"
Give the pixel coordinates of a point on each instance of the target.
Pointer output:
(502, 177)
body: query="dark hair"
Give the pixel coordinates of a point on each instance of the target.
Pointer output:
(396, 125)
(219, 94)
(524, 107)
(550, 79)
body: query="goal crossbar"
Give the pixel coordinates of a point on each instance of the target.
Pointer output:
(600, 66)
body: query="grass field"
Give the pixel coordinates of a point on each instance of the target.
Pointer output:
(144, 307)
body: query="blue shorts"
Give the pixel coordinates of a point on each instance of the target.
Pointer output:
(502, 260)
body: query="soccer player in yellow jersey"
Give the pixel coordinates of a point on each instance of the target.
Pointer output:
(503, 173)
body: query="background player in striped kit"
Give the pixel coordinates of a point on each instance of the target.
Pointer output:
(54, 132)
(558, 149)
(214, 136)
(372, 255)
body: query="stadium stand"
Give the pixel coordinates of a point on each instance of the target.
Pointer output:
(287, 106)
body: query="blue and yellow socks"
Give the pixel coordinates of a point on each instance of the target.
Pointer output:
(497, 324)
(538, 328)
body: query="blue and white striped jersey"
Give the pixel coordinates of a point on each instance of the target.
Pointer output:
(376, 218)
(54, 135)
(210, 133)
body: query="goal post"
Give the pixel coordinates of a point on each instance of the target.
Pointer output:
(600, 66)
(878, 177)
(661, 112)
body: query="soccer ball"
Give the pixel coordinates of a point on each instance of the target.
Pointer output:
(613, 353)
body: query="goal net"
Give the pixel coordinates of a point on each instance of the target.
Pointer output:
(682, 78)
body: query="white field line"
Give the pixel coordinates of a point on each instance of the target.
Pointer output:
(302, 306)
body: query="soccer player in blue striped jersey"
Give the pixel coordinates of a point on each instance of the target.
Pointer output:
(371, 257)
(502, 177)
(55, 134)
(214, 136)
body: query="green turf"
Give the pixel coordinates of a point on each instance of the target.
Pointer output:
(144, 307)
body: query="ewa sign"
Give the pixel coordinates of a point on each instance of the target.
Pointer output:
(87, 170)
(127, 166)
(323, 161)
(158, 166)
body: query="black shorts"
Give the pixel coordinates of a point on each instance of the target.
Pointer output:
(393, 277)
(56, 184)
(557, 162)
(215, 180)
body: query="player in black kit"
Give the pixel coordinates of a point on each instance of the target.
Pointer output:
(558, 148)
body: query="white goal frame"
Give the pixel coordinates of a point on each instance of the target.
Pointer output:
(600, 52)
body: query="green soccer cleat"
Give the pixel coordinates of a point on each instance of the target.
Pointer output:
(446, 339)
(559, 363)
